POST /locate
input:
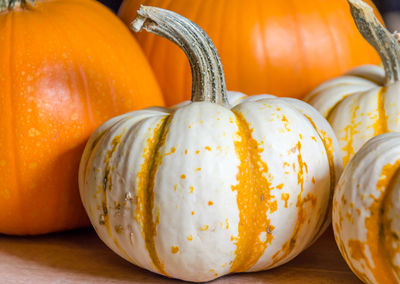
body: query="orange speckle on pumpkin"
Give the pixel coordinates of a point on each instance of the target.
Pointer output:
(198, 169)
(227, 223)
(174, 249)
(279, 186)
(204, 228)
(190, 238)
(192, 212)
(344, 200)
(183, 176)
(197, 151)
(175, 186)
(313, 138)
(357, 249)
(310, 197)
(210, 203)
(285, 197)
(208, 148)
(171, 151)
(186, 151)
(285, 123)
(349, 216)
(215, 272)
(191, 189)
(313, 180)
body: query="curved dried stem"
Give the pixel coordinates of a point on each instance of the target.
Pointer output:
(385, 43)
(208, 81)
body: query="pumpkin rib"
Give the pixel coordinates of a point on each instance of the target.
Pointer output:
(76, 27)
(299, 40)
(382, 248)
(332, 174)
(235, 46)
(333, 108)
(13, 142)
(335, 43)
(58, 199)
(387, 234)
(253, 189)
(147, 175)
(381, 126)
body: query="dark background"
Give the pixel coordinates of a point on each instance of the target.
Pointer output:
(383, 5)
(390, 9)
(113, 4)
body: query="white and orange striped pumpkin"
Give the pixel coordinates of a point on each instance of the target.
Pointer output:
(364, 102)
(366, 211)
(218, 185)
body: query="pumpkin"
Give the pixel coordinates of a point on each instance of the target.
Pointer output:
(266, 46)
(364, 102)
(366, 211)
(218, 185)
(66, 67)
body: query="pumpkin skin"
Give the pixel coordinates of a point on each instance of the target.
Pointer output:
(364, 102)
(263, 44)
(203, 189)
(58, 83)
(366, 211)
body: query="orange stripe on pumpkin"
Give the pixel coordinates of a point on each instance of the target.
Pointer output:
(145, 193)
(254, 200)
(380, 126)
(381, 267)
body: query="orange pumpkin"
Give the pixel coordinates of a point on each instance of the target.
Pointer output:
(66, 66)
(266, 46)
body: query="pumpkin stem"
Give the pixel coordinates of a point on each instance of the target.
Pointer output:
(379, 37)
(208, 81)
(10, 4)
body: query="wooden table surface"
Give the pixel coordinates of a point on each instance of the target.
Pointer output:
(80, 257)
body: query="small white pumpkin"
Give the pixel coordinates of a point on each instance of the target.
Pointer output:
(364, 102)
(366, 211)
(218, 185)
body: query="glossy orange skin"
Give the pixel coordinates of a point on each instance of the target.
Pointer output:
(285, 48)
(66, 66)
